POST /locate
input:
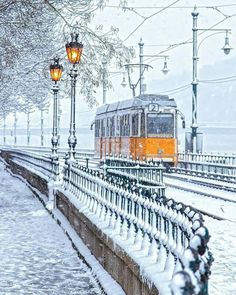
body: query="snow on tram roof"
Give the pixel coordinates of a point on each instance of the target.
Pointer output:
(138, 101)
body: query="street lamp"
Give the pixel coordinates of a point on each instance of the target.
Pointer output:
(193, 141)
(74, 51)
(55, 72)
(123, 83)
(165, 69)
(227, 47)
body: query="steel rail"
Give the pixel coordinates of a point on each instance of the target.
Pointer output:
(203, 184)
(228, 184)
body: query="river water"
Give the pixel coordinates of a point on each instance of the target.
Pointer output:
(36, 257)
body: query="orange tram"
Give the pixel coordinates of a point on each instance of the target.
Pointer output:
(144, 127)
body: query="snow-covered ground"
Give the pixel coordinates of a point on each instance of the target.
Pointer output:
(36, 257)
(223, 238)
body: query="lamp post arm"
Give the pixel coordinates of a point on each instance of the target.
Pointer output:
(216, 33)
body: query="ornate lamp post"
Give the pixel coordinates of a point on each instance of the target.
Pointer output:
(55, 72)
(192, 143)
(74, 50)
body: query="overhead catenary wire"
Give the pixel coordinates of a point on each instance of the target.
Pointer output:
(173, 46)
(219, 79)
(174, 7)
(148, 17)
(217, 82)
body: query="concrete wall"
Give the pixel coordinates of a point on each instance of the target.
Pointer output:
(117, 263)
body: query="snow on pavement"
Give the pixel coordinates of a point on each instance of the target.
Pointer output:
(36, 257)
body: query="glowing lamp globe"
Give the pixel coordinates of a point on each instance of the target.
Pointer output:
(56, 70)
(74, 49)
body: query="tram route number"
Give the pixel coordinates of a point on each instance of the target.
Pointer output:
(153, 107)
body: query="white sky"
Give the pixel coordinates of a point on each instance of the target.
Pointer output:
(171, 26)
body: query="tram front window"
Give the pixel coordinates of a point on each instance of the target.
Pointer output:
(160, 125)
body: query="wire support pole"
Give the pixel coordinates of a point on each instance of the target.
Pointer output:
(72, 140)
(42, 127)
(141, 67)
(104, 73)
(4, 128)
(15, 123)
(194, 125)
(28, 127)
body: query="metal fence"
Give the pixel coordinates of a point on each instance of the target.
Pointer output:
(42, 164)
(168, 240)
(80, 153)
(209, 165)
(169, 235)
(208, 158)
(143, 173)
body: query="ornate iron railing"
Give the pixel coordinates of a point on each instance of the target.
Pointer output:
(45, 165)
(208, 165)
(168, 240)
(169, 237)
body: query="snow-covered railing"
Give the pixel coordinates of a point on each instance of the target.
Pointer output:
(37, 163)
(226, 159)
(80, 153)
(209, 165)
(141, 171)
(168, 240)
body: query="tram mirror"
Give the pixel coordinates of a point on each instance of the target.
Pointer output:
(183, 124)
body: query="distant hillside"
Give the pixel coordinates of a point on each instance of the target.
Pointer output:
(216, 101)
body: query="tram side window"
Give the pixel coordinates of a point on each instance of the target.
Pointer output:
(124, 125)
(108, 127)
(97, 128)
(118, 126)
(142, 127)
(102, 127)
(127, 126)
(112, 126)
(135, 119)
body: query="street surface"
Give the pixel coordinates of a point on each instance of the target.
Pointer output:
(36, 257)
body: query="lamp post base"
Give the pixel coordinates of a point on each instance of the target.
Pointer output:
(193, 144)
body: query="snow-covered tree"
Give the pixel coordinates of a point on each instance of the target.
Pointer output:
(33, 32)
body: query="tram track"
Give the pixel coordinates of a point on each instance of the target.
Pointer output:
(202, 186)
(198, 196)
(214, 183)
